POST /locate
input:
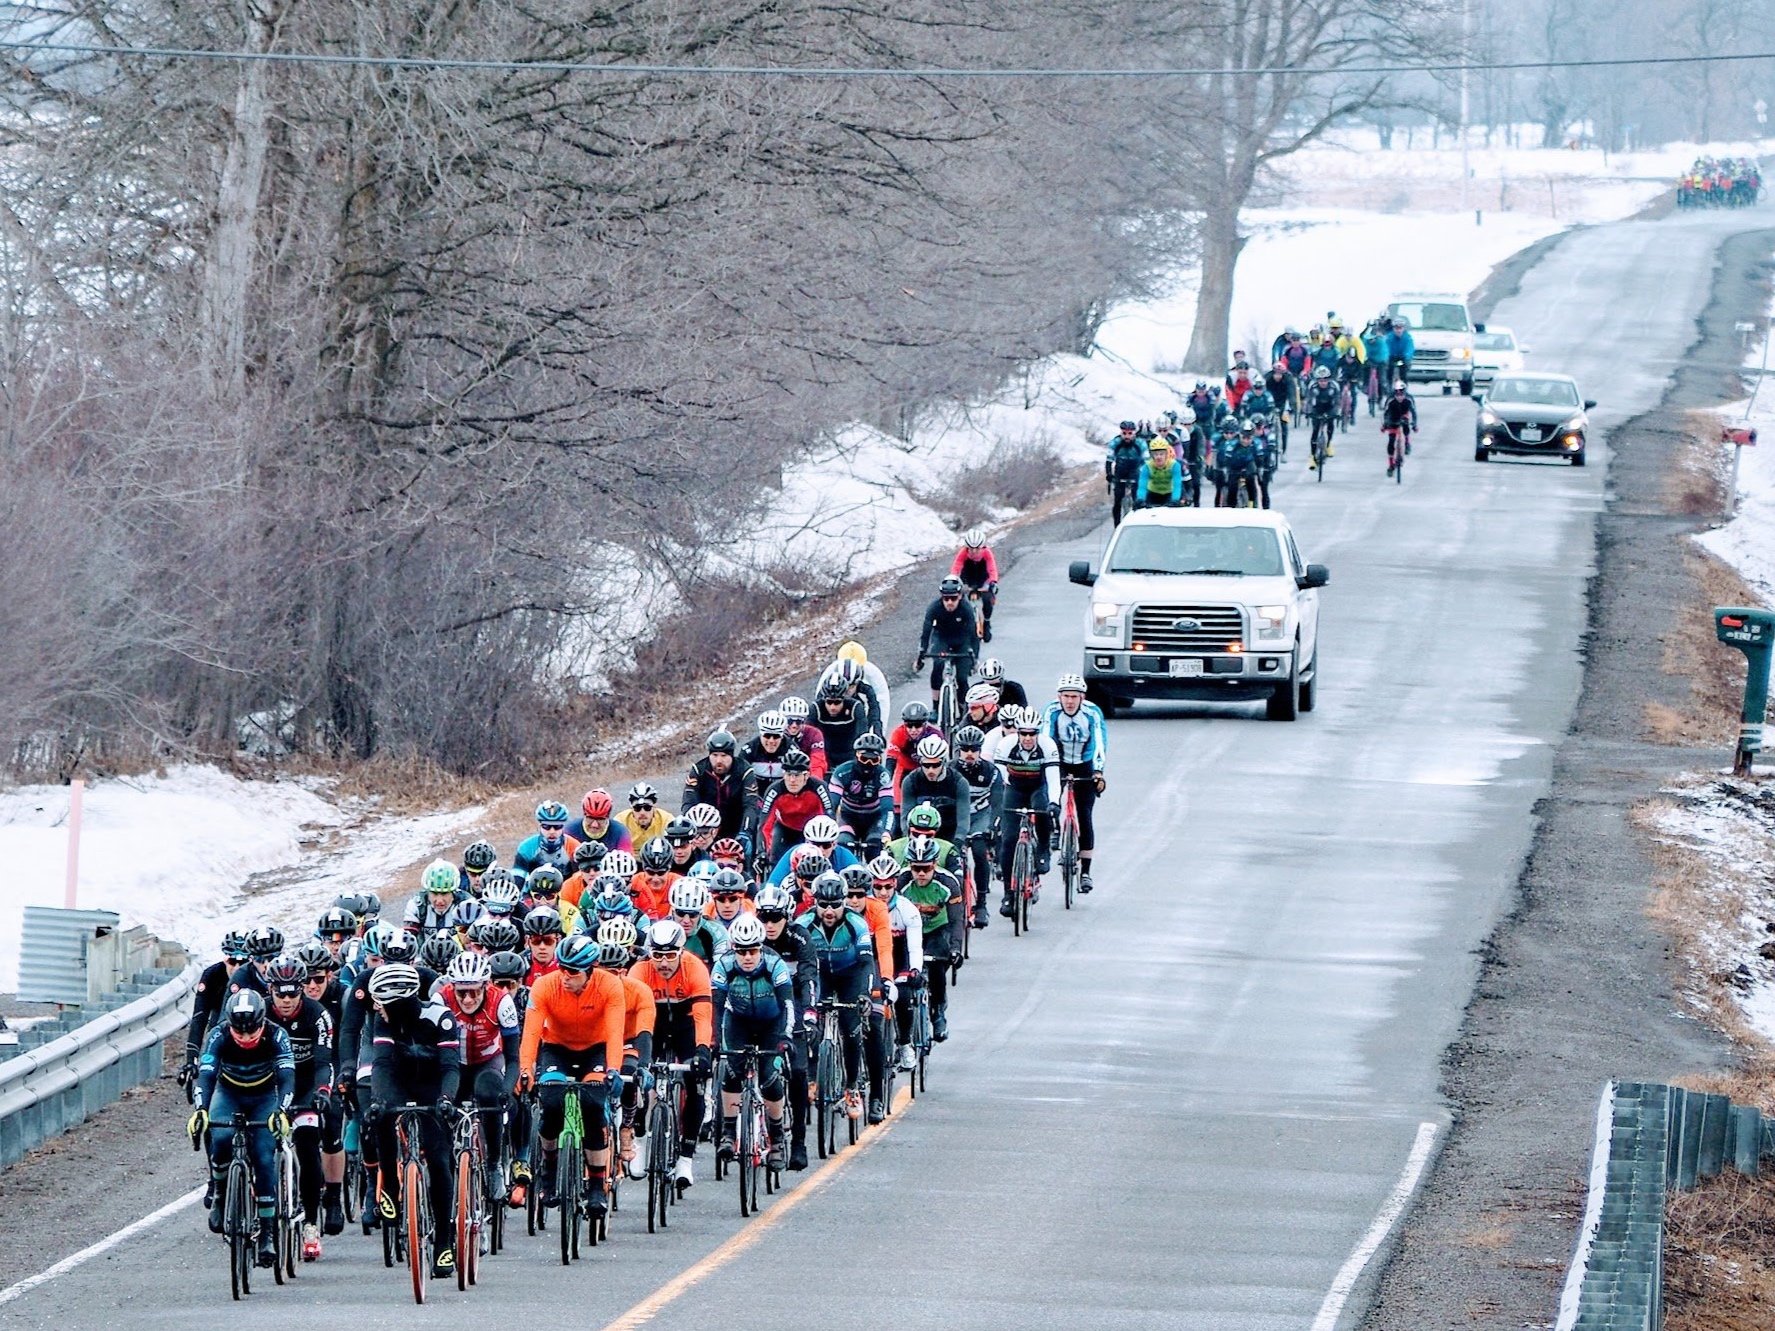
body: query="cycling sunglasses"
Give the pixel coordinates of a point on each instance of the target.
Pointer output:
(771, 917)
(932, 766)
(728, 896)
(642, 806)
(747, 951)
(553, 827)
(852, 893)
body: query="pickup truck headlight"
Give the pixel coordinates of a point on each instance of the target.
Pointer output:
(1106, 618)
(1463, 353)
(1271, 621)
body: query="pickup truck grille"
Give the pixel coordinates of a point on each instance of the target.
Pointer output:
(1205, 628)
(1431, 354)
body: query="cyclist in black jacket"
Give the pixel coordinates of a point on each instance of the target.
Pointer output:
(319, 1153)
(206, 1002)
(791, 943)
(948, 632)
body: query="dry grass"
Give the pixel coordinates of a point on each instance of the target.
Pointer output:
(1696, 485)
(1017, 476)
(1709, 716)
(1719, 1256)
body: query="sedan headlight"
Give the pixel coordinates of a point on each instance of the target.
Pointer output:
(1488, 418)
(1271, 621)
(1105, 618)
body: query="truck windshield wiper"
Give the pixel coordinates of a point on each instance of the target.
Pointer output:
(1172, 571)
(1216, 572)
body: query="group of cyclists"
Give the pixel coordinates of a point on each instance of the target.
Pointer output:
(1720, 182)
(832, 862)
(1235, 433)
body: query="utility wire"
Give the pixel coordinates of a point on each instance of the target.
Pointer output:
(26, 47)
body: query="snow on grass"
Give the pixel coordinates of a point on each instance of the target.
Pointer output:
(180, 854)
(1747, 541)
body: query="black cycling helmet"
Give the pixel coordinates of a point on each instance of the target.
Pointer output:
(544, 881)
(542, 921)
(479, 857)
(286, 975)
(722, 741)
(588, 855)
(831, 689)
(970, 737)
(829, 890)
(655, 856)
(921, 850)
(246, 1011)
(509, 965)
(808, 864)
(403, 947)
(869, 742)
(794, 760)
(915, 713)
(234, 946)
(950, 586)
(372, 907)
(439, 951)
(680, 831)
(315, 956)
(265, 942)
(857, 877)
(336, 920)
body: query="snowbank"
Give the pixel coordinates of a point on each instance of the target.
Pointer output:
(197, 852)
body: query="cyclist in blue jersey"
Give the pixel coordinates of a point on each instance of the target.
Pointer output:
(1082, 741)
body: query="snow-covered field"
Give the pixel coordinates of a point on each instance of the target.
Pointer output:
(199, 851)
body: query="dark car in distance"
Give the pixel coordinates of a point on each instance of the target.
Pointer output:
(1533, 415)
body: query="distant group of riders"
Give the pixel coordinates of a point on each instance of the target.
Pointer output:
(1720, 182)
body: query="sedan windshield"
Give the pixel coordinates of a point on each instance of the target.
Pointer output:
(1536, 392)
(1432, 317)
(1229, 551)
(1494, 342)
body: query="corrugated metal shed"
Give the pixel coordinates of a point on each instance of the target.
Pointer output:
(52, 952)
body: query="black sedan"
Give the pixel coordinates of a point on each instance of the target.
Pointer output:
(1533, 415)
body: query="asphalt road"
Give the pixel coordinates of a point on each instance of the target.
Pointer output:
(1184, 1104)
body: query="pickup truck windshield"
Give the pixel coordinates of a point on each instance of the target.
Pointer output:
(1231, 551)
(1432, 318)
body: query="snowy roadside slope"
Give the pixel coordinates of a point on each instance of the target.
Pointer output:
(197, 852)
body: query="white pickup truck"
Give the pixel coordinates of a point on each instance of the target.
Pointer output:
(1203, 603)
(1442, 333)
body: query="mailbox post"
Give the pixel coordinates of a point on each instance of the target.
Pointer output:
(1753, 633)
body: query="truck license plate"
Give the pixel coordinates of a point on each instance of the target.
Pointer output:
(1188, 665)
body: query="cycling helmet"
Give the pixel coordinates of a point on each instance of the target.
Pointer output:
(828, 890)
(377, 937)
(981, 695)
(970, 737)
(509, 965)
(1247, 427)
(821, 831)
(394, 982)
(1070, 682)
(496, 935)
(479, 857)
(1028, 721)
(613, 902)
(728, 850)
(440, 876)
(469, 968)
(772, 723)
(773, 900)
(831, 688)
(795, 709)
(973, 538)
(704, 816)
(992, 670)
(924, 818)
(545, 881)
(402, 946)
(589, 854)
(265, 942)
(577, 952)
(493, 877)
(722, 741)
(796, 761)
(915, 714)
(1322, 372)
(335, 920)
(950, 586)
(541, 922)
(501, 899)
(746, 933)
(727, 880)
(642, 793)
(933, 749)
(606, 882)
(597, 803)
(372, 907)
(467, 912)
(551, 814)
(655, 856)
(921, 850)
(1399, 386)
(246, 1011)
(1009, 715)
(869, 742)
(703, 869)
(286, 975)
(884, 867)
(680, 830)
(665, 936)
(689, 896)
(351, 901)
(848, 671)
(621, 864)
(857, 877)
(439, 951)
(1185, 417)
(316, 957)
(807, 863)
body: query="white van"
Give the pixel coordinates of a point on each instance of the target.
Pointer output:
(1442, 331)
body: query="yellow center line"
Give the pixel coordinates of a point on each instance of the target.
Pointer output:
(651, 1306)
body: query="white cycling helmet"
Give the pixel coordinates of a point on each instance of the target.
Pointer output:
(621, 864)
(821, 829)
(795, 709)
(1010, 714)
(982, 695)
(1070, 682)
(772, 723)
(469, 968)
(933, 749)
(392, 981)
(992, 670)
(665, 936)
(704, 816)
(689, 896)
(973, 538)
(746, 932)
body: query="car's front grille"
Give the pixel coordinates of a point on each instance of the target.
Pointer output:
(1431, 354)
(1187, 628)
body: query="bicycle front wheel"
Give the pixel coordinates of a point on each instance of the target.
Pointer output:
(467, 1240)
(748, 1144)
(418, 1239)
(829, 1079)
(1022, 870)
(1069, 859)
(570, 1171)
(237, 1224)
(661, 1149)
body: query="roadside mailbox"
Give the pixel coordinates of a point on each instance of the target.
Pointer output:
(1753, 633)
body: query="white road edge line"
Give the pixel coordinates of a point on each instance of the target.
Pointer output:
(1391, 1210)
(1599, 1186)
(104, 1245)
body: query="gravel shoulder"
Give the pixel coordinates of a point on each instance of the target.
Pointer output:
(1577, 985)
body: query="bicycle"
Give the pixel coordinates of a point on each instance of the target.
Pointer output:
(410, 1238)
(949, 693)
(1069, 858)
(570, 1170)
(1347, 405)
(921, 1036)
(830, 1083)
(752, 1131)
(1024, 881)
(1398, 448)
(240, 1216)
(288, 1215)
(535, 1214)
(469, 1149)
(493, 1175)
(1321, 445)
(662, 1141)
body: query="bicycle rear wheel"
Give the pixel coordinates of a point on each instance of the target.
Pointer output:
(418, 1235)
(287, 1243)
(391, 1229)
(237, 1224)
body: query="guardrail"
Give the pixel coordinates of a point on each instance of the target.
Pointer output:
(53, 1087)
(1650, 1138)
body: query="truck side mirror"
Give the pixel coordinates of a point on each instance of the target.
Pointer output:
(1317, 575)
(1478, 328)
(1079, 571)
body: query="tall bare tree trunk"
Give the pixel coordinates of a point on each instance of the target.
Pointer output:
(1221, 244)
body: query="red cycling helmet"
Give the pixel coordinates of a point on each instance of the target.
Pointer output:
(597, 804)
